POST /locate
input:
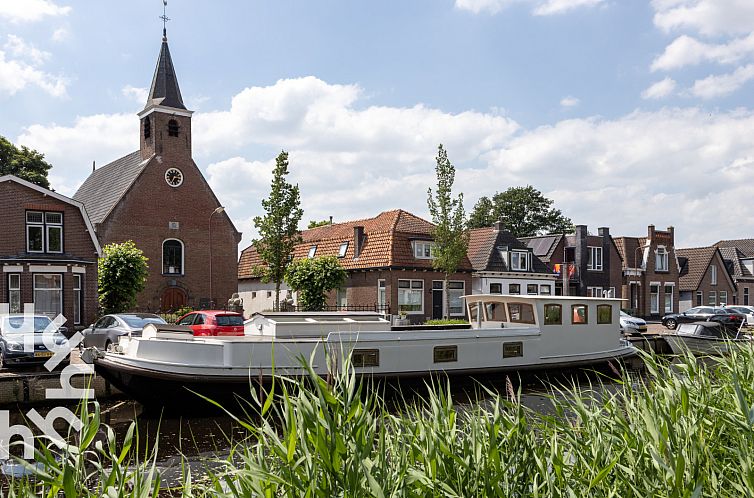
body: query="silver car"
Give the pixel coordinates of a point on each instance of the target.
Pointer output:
(630, 325)
(106, 331)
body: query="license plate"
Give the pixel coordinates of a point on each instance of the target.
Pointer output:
(43, 354)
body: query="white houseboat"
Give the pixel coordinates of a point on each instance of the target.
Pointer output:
(507, 332)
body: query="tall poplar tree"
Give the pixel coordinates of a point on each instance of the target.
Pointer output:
(451, 236)
(278, 228)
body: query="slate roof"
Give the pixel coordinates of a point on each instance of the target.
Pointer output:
(543, 246)
(744, 246)
(164, 90)
(694, 263)
(386, 244)
(107, 185)
(483, 255)
(732, 257)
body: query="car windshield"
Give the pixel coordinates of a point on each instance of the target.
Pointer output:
(25, 325)
(138, 322)
(228, 320)
(623, 313)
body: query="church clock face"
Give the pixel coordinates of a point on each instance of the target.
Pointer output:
(174, 177)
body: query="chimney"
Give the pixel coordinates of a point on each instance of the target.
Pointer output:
(358, 239)
(581, 256)
(331, 220)
(671, 230)
(651, 232)
(94, 166)
(498, 226)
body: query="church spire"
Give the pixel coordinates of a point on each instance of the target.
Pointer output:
(164, 90)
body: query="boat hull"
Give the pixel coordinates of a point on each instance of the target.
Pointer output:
(682, 344)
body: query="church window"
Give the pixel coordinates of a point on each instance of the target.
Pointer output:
(147, 127)
(173, 128)
(172, 257)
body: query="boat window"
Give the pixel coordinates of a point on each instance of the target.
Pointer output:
(495, 312)
(513, 349)
(553, 314)
(604, 314)
(521, 312)
(710, 331)
(473, 311)
(365, 358)
(444, 354)
(579, 314)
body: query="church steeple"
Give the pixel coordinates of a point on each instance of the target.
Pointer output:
(165, 90)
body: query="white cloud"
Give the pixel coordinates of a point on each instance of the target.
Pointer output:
(569, 101)
(16, 75)
(137, 94)
(30, 10)
(551, 7)
(661, 89)
(721, 85)
(17, 47)
(708, 17)
(686, 51)
(60, 35)
(478, 6)
(541, 7)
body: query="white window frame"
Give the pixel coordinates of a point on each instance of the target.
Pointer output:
(183, 257)
(713, 274)
(48, 226)
(654, 298)
(594, 258)
(343, 249)
(14, 290)
(78, 295)
(341, 297)
(411, 289)
(312, 251)
(723, 298)
(45, 289)
(594, 291)
(517, 257)
(712, 298)
(460, 293)
(381, 293)
(422, 247)
(661, 259)
(668, 305)
(35, 224)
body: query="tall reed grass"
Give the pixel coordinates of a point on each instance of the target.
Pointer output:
(681, 430)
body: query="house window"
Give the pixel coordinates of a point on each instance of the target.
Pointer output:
(712, 301)
(312, 252)
(713, 274)
(496, 288)
(444, 354)
(553, 314)
(654, 299)
(172, 257)
(381, 295)
(594, 291)
(48, 294)
(531, 289)
(746, 296)
(604, 314)
(14, 292)
(723, 298)
(342, 250)
(77, 299)
(455, 291)
(699, 298)
(254, 295)
(147, 127)
(342, 298)
(661, 259)
(668, 299)
(519, 260)
(579, 314)
(521, 312)
(514, 288)
(41, 226)
(173, 128)
(594, 259)
(545, 290)
(423, 249)
(269, 294)
(410, 296)
(365, 358)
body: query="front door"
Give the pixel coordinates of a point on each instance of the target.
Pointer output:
(172, 299)
(437, 300)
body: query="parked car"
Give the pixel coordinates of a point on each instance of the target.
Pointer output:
(213, 323)
(106, 331)
(14, 333)
(746, 310)
(724, 315)
(631, 325)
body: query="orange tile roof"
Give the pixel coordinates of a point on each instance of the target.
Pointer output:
(387, 243)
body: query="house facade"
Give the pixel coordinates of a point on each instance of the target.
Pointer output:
(704, 279)
(584, 264)
(504, 265)
(48, 254)
(388, 259)
(739, 259)
(158, 197)
(650, 280)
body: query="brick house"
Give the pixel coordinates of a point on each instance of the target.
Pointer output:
(48, 253)
(585, 264)
(504, 265)
(389, 265)
(650, 272)
(739, 259)
(158, 197)
(703, 279)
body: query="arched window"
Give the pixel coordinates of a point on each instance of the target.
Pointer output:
(172, 256)
(173, 128)
(147, 127)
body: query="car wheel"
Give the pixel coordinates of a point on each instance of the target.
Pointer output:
(671, 324)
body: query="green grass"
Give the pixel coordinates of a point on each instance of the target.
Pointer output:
(683, 430)
(446, 322)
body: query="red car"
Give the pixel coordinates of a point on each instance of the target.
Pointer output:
(213, 323)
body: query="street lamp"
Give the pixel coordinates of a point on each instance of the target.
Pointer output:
(217, 210)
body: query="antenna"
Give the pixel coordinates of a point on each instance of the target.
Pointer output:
(165, 20)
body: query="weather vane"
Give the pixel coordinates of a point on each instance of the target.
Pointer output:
(164, 18)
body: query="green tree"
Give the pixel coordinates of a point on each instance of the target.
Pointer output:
(524, 212)
(451, 236)
(313, 278)
(122, 275)
(278, 228)
(25, 163)
(315, 223)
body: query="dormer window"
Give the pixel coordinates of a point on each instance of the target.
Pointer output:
(173, 128)
(147, 127)
(342, 250)
(520, 260)
(312, 251)
(423, 249)
(661, 259)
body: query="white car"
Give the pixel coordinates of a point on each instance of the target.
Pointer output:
(630, 325)
(746, 310)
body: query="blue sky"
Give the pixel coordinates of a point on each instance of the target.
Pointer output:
(625, 112)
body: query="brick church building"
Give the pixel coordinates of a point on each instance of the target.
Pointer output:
(158, 197)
